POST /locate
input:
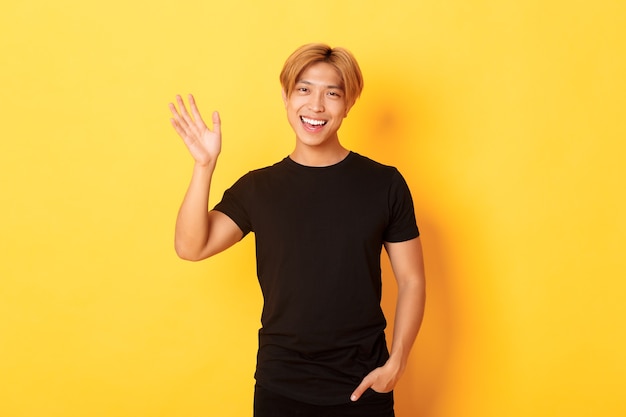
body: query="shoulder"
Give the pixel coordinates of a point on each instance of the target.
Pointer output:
(264, 172)
(366, 161)
(372, 167)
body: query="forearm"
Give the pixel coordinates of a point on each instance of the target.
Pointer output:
(409, 314)
(408, 320)
(192, 223)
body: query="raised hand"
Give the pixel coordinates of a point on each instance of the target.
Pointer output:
(203, 143)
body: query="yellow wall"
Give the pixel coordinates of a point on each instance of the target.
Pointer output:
(506, 117)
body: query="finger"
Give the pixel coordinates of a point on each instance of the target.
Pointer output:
(174, 111)
(183, 110)
(179, 124)
(217, 123)
(177, 112)
(365, 384)
(195, 112)
(177, 117)
(177, 127)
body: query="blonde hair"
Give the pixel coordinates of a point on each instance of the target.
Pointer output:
(313, 53)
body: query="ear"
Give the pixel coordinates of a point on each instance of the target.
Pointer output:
(347, 110)
(284, 95)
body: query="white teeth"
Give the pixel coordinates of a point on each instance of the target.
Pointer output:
(313, 122)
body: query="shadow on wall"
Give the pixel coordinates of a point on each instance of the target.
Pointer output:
(424, 381)
(397, 120)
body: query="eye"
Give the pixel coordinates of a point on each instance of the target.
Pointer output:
(302, 89)
(334, 94)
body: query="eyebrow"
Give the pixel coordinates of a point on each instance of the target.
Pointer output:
(311, 83)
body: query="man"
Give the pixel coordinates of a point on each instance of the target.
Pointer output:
(320, 217)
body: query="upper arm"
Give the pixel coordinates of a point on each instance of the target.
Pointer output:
(407, 261)
(222, 233)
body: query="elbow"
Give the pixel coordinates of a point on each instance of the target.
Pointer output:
(187, 254)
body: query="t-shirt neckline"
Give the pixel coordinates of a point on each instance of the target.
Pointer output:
(319, 168)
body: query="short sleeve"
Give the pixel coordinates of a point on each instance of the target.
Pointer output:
(402, 223)
(233, 203)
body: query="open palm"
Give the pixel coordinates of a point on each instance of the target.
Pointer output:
(203, 143)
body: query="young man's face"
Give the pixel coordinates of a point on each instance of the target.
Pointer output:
(317, 105)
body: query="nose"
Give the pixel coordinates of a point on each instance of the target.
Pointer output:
(316, 103)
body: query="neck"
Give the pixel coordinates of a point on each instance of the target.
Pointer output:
(314, 157)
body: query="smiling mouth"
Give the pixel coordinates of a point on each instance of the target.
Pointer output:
(313, 122)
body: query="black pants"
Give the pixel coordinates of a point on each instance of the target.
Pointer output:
(268, 404)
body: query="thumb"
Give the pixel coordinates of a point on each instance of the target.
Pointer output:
(217, 123)
(365, 384)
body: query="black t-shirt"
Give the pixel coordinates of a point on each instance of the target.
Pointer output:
(319, 233)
